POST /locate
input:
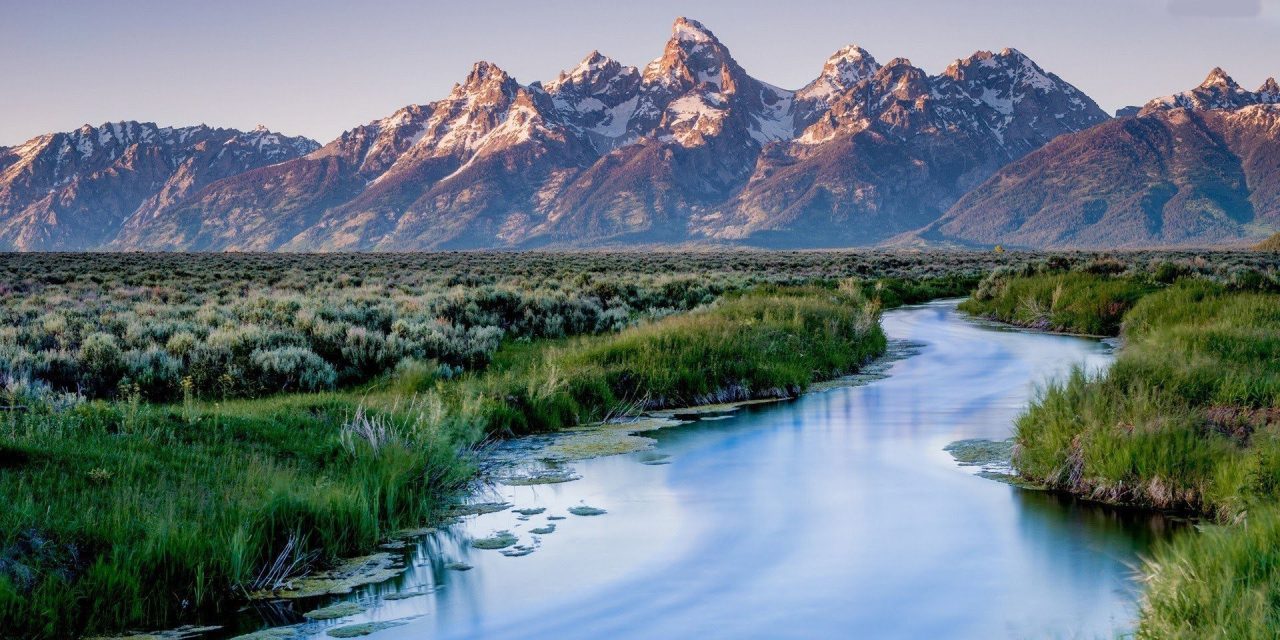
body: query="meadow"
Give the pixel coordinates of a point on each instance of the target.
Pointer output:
(180, 430)
(1187, 419)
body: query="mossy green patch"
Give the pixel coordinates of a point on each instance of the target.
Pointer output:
(476, 509)
(584, 510)
(404, 595)
(530, 511)
(543, 530)
(499, 540)
(548, 476)
(458, 566)
(363, 629)
(342, 579)
(275, 633)
(335, 611)
(980, 452)
(181, 633)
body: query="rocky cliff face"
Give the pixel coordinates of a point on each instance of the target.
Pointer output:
(1197, 167)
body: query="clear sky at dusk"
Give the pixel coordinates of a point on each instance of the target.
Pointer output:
(317, 67)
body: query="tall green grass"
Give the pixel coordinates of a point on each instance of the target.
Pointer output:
(1182, 419)
(1072, 302)
(1220, 584)
(1187, 418)
(120, 516)
(125, 514)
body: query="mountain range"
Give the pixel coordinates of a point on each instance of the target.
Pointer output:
(688, 149)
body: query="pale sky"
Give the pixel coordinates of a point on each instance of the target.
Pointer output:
(318, 67)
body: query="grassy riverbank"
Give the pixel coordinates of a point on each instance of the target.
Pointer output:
(125, 514)
(1187, 418)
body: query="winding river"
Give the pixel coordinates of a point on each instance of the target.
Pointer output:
(835, 515)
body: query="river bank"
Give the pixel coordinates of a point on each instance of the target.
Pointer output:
(784, 507)
(1186, 420)
(181, 511)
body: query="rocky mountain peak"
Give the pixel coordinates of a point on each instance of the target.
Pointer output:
(844, 69)
(593, 75)
(901, 80)
(1269, 92)
(693, 57)
(1219, 78)
(485, 77)
(688, 30)
(1218, 91)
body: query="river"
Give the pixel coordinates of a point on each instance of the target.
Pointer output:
(838, 514)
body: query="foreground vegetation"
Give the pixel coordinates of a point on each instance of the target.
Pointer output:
(1187, 418)
(127, 513)
(178, 430)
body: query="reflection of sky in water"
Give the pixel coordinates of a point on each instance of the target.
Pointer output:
(833, 515)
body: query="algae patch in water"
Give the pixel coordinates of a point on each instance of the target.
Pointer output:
(499, 540)
(993, 459)
(358, 630)
(980, 453)
(415, 533)
(606, 438)
(708, 410)
(530, 511)
(598, 444)
(586, 511)
(333, 612)
(342, 579)
(277, 633)
(519, 550)
(547, 476)
(181, 633)
(542, 531)
(476, 509)
(404, 595)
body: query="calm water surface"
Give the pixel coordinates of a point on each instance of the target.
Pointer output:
(836, 515)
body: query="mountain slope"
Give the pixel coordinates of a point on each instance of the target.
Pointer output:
(76, 190)
(896, 147)
(1201, 166)
(688, 148)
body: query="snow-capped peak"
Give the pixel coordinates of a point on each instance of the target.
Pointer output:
(1218, 91)
(693, 56)
(594, 74)
(594, 63)
(844, 69)
(688, 30)
(1269, 92)
(483, 76)
(1219, 78)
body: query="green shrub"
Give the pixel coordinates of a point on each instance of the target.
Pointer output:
(155, 371)
(292, 369)
(102, 361)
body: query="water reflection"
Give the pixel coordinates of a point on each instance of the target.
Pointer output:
(835, 515)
